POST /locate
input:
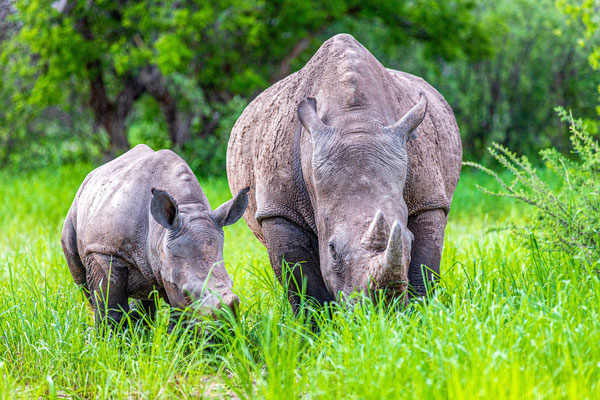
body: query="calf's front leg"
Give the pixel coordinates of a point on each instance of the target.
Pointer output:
(107, 283)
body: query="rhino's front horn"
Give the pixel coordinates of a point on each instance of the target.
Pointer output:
(377, 234)
(394, 253)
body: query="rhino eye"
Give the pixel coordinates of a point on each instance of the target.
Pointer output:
(332, 251)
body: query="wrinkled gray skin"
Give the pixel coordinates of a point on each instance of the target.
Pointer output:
(144, 221)
(352, 168)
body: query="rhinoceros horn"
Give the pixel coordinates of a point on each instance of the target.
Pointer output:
(408, 124)
(394, 253)
(377, 234)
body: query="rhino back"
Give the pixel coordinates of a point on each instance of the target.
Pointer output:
(111, 210)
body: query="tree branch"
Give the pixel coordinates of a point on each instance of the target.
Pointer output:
(285, 67)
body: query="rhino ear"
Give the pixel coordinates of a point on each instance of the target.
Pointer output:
(228, 213)
(407, 125)
(307, 113)
(164, 209)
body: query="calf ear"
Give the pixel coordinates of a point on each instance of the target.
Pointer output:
(228, 213)
(164, 209)
(407, 125)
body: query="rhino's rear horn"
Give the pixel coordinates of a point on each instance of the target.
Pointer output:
(377, 234)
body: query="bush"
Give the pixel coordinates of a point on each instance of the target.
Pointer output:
(568, 217)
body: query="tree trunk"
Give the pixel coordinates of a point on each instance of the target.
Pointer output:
(112, 115)
(178, 122)
(105, 112)
(115, 127)
(180, 129)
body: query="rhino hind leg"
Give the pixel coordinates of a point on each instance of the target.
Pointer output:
(428, 230)
(69, 244)
(286, 241)
(107, 282)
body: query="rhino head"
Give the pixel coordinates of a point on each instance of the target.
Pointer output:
(359, 171)
(190, 251)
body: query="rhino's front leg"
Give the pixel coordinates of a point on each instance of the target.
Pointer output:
(287, 241)
(428, 230)
(143, 310)
(107, 282)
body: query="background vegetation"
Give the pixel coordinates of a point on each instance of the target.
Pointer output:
(85, 80)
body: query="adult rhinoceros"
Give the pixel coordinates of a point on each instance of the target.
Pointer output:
(352, 168)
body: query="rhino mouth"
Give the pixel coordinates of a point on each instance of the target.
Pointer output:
(216, 306)
(388, 293)
(206, 302)
(394, 294)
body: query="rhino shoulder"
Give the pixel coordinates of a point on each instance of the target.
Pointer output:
(431, 184)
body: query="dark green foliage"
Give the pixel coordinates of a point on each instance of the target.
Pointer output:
(88, 78)
(207, 154)
(585, 13)
(104, 60)
(145, 128)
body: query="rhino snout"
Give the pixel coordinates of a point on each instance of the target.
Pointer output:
(214, 304)
(390, 269)
(211, 300)
(232, 302)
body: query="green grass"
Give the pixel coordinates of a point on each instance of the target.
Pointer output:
(510, 321)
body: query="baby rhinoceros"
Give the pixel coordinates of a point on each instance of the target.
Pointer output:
(142, 223)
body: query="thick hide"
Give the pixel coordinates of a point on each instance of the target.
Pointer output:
(142, 223)
(348, 177)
